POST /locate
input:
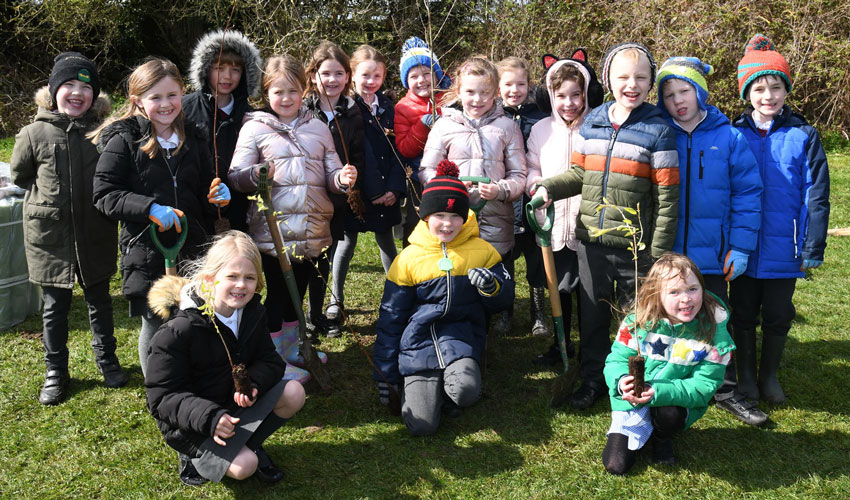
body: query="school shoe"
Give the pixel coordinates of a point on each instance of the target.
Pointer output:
(55, 388)
(746, 410)
(334, 313)
(662, 450)
(267, 471)
(189, 475)
(536, 311)
(317, 324)
(586, 395)
(113, 375)
(772, 347)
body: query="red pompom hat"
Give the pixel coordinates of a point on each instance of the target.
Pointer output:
(445, 193)
(760, 59)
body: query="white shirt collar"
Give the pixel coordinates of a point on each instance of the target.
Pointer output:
(170, 143)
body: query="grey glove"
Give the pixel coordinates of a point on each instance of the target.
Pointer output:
(483, 279)
(384, 391)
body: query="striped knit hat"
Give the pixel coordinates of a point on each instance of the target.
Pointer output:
(445, 193)
(760, 59)
(606, 67)
(689, 69)
(415, 52)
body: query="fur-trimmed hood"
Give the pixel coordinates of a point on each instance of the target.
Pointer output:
(100, 108)
(169, 294)
(207, 50)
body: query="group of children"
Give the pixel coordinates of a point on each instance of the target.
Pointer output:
(742, 205)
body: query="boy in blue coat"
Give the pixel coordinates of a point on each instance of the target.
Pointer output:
(794, 217)
(439, 291)
(719, 197)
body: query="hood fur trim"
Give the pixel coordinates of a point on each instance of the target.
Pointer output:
(207, 49)
(101, 106)
(164, 297)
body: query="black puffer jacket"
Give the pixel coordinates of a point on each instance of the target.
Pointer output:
(348, 126)
(188, 381)
(127, 182)
(199, 107)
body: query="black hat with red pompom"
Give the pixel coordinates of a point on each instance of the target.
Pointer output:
(445, 193)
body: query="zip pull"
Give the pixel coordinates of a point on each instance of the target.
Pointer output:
(701, 153)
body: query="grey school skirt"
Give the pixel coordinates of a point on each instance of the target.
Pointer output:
(213, 459)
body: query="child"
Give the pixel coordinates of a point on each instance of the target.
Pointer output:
(679, 328)
(225, 71)
(794, 217)
(382, 176)
(154, 168)
(483, 142)
(628, 157)
(572, 90)
(64, 236)
(514, 83)
(431, 329)
(304, 168)
(215, 429)
(327, 99)
(415, 114)
(719, 196)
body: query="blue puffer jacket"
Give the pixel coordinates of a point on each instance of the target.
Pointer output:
(719, 192)
(795, 203)
(431, 317)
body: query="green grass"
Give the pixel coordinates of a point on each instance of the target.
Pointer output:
(6, 146)
(102, 442)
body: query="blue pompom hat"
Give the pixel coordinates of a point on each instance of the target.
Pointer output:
(689, 69)
(415, 52)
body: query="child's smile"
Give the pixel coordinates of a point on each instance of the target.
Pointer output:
(161, 105)
(476, 95)
(419, 81)
(331, 78)
(235, 285)
(767, 95)
(444, 225)
(513, 88)
(74, 98)
(569, 101)
(630, 81)
(681, 298)
(368, 78)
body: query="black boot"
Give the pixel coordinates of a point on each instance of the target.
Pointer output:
(188, 474)
(745, 360)
(55, 388)
(536, 311)
(113, 375)
(772, 347)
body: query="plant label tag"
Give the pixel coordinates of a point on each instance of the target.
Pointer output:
(445, 264)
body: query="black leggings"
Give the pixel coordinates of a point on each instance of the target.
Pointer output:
(279, 305)
(666, 421)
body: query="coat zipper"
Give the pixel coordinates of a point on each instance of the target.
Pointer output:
(445, 311)
(688, 195)
(605, 175)
(71, 203)
(167, 156)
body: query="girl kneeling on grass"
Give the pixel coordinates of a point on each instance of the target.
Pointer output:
(216, 319)
(680, 329)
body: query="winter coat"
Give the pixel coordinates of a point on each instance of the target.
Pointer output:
(306, 168)
(795, 203)
(128, 182)
(635, 164)
(550, 146)
(188, 379)
(493, 148)
(410, 133)
(431, 317)
(199, 107)
(719, 192)
(526, 116)
(381, 170)
(348, 126)
(63, 233)
(683, 370)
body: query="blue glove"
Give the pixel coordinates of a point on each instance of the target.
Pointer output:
(482, 279)
(165, 217)
(810, 264)
(735, 264)
(219, 193)
(428, 120)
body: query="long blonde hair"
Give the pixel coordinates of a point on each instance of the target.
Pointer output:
(141, 80)
(366, 53)
(225, 248)
(650, 308)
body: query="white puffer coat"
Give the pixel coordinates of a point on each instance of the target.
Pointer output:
(306, 168)
(492, 148)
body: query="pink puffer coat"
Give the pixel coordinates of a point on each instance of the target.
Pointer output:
(493, 148)
(306, 167)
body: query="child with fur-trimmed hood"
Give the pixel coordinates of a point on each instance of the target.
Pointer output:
(226, 70)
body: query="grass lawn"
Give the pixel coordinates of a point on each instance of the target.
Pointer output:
(102, 443)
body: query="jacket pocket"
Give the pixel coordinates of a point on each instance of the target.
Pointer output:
(42, 226)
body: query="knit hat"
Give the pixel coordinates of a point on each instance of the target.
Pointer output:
(445, 193)
(760, 59)
(606, 68)
(689, 69)
(73, 66)
(415, 52)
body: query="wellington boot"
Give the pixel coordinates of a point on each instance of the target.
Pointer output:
(291, 345)
(772, 347)
(745, 360)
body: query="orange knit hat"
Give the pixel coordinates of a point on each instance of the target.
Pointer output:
(760, 59)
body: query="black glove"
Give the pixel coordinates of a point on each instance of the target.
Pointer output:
(483, 279)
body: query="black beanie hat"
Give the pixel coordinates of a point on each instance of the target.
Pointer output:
(445, 193)
(73, 66)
